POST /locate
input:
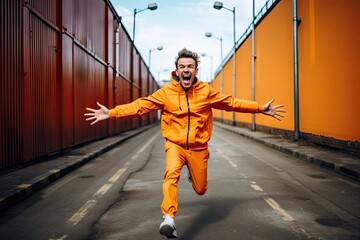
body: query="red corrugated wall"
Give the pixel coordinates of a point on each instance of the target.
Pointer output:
(58, 57)
(11, 73)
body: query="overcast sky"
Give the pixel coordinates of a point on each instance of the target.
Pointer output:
(177, 24)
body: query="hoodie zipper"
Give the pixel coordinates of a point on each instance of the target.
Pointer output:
(188, 106)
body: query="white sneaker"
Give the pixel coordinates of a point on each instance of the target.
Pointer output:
(167, 227)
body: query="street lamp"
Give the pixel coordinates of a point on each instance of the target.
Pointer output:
(253, 63)
(151, 7)
(209, 35)
(218, 6)
(152, 50)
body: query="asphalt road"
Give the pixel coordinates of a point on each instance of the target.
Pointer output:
(254, 192)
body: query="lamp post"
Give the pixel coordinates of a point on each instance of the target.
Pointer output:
(253, 63)
(151, 7)
(152, 50)
(218, 6)
(209, 35)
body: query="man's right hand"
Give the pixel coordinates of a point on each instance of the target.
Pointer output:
(97, 114)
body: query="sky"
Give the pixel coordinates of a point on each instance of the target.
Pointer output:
(182, 24)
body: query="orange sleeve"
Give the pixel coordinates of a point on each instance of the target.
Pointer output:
(225, 102)
(140, 106)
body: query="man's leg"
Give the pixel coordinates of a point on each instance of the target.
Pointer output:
(175, 160)
(197, 164)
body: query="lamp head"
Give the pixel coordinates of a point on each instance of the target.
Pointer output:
(208, 34)
(152, 6)
(218, 5)
(159, 48)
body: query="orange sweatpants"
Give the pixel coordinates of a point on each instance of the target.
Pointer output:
(176, 158)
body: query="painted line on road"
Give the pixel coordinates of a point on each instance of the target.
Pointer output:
(256, 187)
(53, 237)
(284, 215)
(272, 203)
(229, 160)
(84, 209)
(76, 218)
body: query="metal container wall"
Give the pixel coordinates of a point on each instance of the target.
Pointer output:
(136, 83)
(46, 9)
(144, 76)
(67, 93)
(11, 76)
(58, 57)
(123, 95)
(124, 52)
(89, 87)
(41, 89)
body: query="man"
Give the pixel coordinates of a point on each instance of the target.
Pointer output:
(186, 123)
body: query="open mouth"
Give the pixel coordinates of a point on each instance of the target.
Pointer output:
(186, 80)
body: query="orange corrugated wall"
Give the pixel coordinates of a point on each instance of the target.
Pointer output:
(329, 78)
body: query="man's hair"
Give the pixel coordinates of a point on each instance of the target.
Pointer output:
(184, 53)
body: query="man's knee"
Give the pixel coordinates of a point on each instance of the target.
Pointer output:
(201, 190)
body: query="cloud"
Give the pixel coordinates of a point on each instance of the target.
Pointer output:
(177, 24)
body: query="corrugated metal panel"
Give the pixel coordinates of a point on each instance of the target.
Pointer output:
(42, 102)
(100, 93)
(111, 48)
(68, 10)
(48, 9)
(97, 27)
(67, 94)
(11, 111)
(122, 96)
(80, 25)
(136, 69)
(44, 94)
(144, 79)
(124, 50)
(111, 96)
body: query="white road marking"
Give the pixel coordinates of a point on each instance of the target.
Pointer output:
(53, 237)
(256, 187)
(76, 218)
(84, 209)
(229, 160)
(284, 215)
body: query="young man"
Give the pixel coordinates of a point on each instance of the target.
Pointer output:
(186, 122)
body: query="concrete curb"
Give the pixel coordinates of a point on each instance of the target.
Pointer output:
(340, 163)
(20, 184)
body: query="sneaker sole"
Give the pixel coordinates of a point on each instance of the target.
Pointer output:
(167, 231)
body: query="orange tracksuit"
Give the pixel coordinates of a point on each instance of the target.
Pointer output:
(186, 124)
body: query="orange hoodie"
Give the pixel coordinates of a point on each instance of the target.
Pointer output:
(186, 116)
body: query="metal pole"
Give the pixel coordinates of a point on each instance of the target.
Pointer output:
(149, 59)
(221, 74)
(253, 64)
(296, 73)
(134, 25)
(234, 70)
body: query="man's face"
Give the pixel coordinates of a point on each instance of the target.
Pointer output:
(186, 71)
